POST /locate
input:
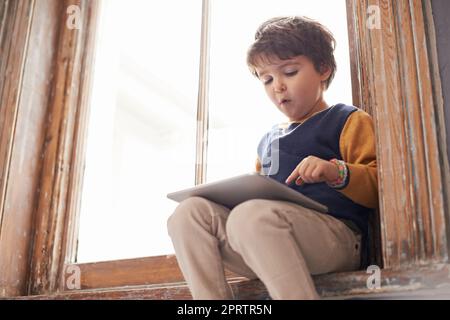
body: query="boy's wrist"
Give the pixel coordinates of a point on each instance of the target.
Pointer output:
(342, 176)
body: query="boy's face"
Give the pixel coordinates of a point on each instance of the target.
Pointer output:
(293, 85)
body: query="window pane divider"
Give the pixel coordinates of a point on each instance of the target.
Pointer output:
(202, 101)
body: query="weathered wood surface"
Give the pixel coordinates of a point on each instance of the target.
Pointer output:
(128, 272)
(425, 281)
(44, 76)
(23, 89)
(396, 87)
(53, 223)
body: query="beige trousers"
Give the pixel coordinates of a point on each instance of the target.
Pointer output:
(279, 242)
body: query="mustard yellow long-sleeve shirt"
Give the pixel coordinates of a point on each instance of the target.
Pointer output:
(357, 147)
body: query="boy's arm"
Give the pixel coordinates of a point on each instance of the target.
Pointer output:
(357, 146)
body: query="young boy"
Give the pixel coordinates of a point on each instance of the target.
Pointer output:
(325, 152)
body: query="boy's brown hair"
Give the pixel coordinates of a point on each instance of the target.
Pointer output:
(287, 37)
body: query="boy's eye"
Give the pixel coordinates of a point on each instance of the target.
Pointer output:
(266, 82)
(291, 73)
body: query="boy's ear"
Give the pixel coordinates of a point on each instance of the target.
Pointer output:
(325, 72)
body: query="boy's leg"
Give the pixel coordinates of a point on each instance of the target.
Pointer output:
(284, 243)
(197, 230)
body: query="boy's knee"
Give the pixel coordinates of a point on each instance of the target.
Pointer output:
(245, 218)
(187, 212)
(254, 211)
(251, 207)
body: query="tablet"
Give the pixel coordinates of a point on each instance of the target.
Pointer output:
(232, 191)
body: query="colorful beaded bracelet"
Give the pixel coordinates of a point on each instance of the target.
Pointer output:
(342, 168)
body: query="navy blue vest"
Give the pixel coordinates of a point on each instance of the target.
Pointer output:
(281, 150)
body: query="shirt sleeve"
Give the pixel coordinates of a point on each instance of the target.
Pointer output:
(357, 146)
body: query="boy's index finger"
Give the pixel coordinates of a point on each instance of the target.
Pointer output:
(293, 176)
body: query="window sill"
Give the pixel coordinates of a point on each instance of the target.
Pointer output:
(420, 281)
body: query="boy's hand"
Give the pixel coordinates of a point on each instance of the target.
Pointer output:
(312, 170)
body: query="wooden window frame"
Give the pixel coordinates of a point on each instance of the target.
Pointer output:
(395, 78)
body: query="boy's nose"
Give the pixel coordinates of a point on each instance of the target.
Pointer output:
(280, 87)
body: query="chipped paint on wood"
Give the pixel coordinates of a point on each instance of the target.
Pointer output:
(340, 285)
(53, 219)
(396, 87)
(17, 180)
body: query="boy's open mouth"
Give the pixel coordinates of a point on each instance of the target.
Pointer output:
(284, 101)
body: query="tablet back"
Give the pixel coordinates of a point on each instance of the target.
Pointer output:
(232, 191)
